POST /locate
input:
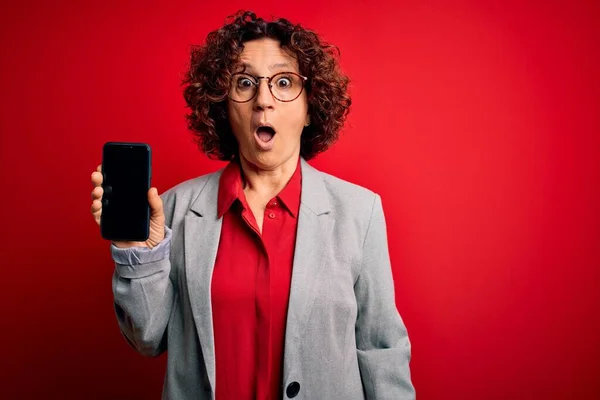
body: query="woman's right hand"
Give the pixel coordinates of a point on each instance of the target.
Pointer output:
(157, 215)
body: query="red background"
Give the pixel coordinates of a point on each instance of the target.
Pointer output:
(478, 123)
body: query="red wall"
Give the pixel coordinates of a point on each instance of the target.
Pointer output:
(478, 123)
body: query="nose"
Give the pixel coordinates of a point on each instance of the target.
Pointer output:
(264, 99)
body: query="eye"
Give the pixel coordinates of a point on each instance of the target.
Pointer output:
(244, 83)
(284, 82)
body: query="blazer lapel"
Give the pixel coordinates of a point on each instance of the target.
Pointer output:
(201, 236)
(315, 224)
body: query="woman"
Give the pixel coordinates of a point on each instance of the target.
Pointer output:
(266, 279)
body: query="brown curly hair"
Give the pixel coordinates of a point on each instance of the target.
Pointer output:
(206, 83)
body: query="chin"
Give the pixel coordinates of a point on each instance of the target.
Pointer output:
(266, 160)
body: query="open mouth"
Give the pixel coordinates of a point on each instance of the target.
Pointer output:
(265, 133)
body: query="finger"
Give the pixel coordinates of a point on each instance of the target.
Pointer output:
(97, 178)
(97, 193)
(97, 210)
(99, 169)
(97, 216)
(156, 204)
(96, 206)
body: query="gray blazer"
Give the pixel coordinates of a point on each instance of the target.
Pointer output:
(344, 338)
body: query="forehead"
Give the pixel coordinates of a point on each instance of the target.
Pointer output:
(266, 55)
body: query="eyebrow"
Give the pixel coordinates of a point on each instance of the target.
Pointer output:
(270, 67)
(279, 65)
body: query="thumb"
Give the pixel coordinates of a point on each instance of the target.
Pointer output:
(156, 204)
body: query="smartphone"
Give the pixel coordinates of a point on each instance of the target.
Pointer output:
(127, 175)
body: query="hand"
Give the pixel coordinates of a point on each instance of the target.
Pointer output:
(157, 215)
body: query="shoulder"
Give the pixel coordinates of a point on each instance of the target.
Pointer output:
(357, 214)
(349, 196)
(182, 195)
(347, 190)
(354, 208)
(193, 185)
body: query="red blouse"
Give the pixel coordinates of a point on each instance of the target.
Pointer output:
(250, 289)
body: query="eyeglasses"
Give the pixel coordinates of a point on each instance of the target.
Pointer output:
(284, 86)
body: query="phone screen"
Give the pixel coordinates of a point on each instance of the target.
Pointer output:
(125, 209)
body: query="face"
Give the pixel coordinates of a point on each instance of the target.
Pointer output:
(264, 148)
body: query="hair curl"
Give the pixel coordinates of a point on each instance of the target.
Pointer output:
(206, 83)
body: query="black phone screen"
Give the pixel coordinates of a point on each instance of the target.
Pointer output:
(126, 180)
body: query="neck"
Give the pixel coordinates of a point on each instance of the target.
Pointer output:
(267, 182)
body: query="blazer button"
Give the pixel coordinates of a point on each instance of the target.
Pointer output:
(292, 390)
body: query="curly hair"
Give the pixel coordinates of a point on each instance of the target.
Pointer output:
(206, 83)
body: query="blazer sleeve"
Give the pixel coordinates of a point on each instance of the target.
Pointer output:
(143, 293)
(382, 341)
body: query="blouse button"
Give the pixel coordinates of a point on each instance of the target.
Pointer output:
(272, 215)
